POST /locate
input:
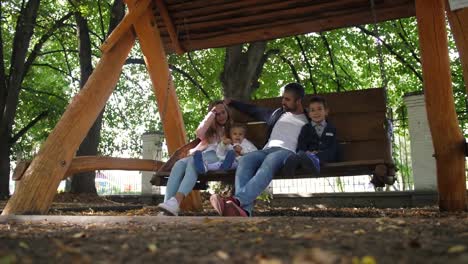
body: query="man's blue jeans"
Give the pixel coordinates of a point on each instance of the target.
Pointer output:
(255, 172)
(183, 175)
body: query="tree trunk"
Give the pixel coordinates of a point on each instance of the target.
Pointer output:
(85, 182)
(4, 168)
(10, 87)
(242, 70)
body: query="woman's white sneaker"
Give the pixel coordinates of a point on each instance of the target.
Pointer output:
(170, 206)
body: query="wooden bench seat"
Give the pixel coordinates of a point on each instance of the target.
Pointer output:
(363, 134)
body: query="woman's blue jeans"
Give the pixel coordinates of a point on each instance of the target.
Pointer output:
(255, 172)
(183, 175)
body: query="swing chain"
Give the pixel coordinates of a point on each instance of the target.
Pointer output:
(376, 32)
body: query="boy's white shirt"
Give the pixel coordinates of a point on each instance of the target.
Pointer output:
(246, 146)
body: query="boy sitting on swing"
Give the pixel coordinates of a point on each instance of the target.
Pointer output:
(317, 143)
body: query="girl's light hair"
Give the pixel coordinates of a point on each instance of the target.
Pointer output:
(212, 131)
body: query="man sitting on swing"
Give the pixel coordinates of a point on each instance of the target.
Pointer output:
(256, 169)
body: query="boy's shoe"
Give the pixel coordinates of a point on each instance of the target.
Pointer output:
(232, 208)
(228, 160)
(290, 165)
(217, 201)
(310, 162)
(170, 207)
(198, 162)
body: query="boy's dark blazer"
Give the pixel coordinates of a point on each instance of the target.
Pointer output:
(326, 145)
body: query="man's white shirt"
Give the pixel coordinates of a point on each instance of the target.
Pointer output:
(286, 131)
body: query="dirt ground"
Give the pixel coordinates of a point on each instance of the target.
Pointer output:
(275, 235)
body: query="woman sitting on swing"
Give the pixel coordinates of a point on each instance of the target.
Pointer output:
(183, 175)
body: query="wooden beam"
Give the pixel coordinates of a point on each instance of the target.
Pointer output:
(93, 163)
(39, 184)
(170, 26)
(443, 123)
(158, 69)
(458, 20)
(168, 104)
(141, 6)
(219, 26)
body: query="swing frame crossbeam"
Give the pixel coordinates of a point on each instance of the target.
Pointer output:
(169, 26)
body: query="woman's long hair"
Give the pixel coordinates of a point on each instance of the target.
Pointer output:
(212, 130)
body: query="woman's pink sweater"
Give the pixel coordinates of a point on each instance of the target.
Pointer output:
(201, 133)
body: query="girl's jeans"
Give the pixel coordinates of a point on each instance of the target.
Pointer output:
(183, 176)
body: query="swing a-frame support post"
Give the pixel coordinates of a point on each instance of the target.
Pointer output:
(40, 181)
(443, 123)
(155, 59)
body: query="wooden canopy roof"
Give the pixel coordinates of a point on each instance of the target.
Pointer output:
(201, 24)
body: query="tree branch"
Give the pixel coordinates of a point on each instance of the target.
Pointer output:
(192, 80)
(405, 41)
(58, 51)
(194, 66)
(174, 68)
(259, 69)
(135, 61)
(56, 69)
(66, 57)
(392, 51)
(306, 60)
(101, 21)
(330, 54)
(37, 48)
(28, 126)
(287, 61)
(31, 90)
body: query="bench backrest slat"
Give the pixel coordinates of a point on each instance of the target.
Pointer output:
(359, 116)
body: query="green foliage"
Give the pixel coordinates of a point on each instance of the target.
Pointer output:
(131, 110)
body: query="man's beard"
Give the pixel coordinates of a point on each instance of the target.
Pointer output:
(287, 109)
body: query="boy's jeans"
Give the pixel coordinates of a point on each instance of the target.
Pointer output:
(183, 176)
(254, 173)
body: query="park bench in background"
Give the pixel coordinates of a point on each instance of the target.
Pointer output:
(363, 132)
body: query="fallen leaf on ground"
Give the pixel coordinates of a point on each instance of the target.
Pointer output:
(364, 260)
(315, 255)
(222, 255)
(456, 249)
(23, 244)
(152, 247)
(359, 232)
(210, 221)
(64, 248)
(79, 235)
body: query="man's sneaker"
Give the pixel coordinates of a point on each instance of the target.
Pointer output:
(170, 207)
(198, 162)
(228, 160)
(217, 201)
(309, 162)
(232, 208)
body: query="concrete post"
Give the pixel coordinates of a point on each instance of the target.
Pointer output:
(152, 149)
(422, 149)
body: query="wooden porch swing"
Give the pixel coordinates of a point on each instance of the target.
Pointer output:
(179, 26)
(363, 135)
